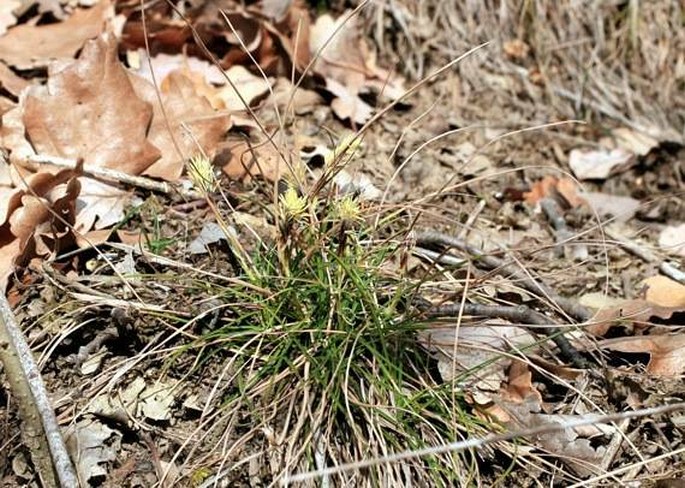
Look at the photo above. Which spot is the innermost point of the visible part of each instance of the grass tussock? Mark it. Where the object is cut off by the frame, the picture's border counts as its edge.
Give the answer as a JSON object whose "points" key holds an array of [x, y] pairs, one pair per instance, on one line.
{"points": [[324, 361]]}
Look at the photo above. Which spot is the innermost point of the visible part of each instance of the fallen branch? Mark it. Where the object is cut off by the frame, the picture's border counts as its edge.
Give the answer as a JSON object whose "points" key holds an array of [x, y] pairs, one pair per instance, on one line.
{"points": [[562, 234], [645, 254], [482, 260], [40, 431]]}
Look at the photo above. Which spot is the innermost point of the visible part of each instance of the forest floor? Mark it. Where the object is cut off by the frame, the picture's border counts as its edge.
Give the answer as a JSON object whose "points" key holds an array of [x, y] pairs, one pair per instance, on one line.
{"points": [[446, 225]]}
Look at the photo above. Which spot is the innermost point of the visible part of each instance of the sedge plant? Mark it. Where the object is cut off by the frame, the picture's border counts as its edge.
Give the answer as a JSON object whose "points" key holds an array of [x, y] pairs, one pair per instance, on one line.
{"points": [[327, 356]]}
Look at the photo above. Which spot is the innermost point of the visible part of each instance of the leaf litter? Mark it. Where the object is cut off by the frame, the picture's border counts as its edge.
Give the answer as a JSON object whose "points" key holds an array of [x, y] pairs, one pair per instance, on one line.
{"points": [[100, 99]]}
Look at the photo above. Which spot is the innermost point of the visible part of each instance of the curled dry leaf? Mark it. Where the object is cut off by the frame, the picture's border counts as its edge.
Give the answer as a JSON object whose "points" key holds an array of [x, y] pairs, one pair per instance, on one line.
{"points": [[664, 292], [35, 217], [348, 67], [666, 352], [28, 46]]}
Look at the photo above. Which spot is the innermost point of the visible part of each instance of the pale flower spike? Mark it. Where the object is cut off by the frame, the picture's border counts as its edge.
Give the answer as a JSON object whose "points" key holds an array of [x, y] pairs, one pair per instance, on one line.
{"points": [[348, 209], [201, 173], [292, 204]]}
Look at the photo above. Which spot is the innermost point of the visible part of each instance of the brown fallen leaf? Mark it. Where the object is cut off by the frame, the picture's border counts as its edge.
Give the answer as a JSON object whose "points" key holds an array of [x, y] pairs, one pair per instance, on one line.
{"points": [[245, 161], [28, 46], [249, 86], [188, 125], [666, 352], [349, 69], [519, 386], [563, 190], [636, 313], [157, 68], [89, 110], [34, 218], [664, 292]]}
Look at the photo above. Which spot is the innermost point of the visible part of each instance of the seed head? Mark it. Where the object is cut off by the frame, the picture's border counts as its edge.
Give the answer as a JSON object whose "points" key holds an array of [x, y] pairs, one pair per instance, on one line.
{"points": [[293, 205], [201, 173]]}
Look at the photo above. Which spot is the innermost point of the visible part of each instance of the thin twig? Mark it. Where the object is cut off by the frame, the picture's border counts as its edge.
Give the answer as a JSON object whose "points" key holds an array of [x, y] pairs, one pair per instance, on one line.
{"points": [[646, 255], [40, 425], [100, 338], [34, 163]]}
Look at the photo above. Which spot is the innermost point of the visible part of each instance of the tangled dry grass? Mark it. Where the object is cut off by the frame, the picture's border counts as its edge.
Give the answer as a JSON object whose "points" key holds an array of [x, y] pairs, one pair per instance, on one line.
{"points": [[569, 59]]}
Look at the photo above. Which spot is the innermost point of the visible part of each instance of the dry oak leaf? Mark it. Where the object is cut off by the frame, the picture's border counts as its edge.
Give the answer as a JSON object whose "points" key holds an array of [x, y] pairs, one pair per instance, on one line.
{"points": [[245, 161], [188, 124], [209, 80], [89, 110], [29, 46], [157, 68], [348, 67], [28, 219], [666, 352], [665, 292], [249, 89]]}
